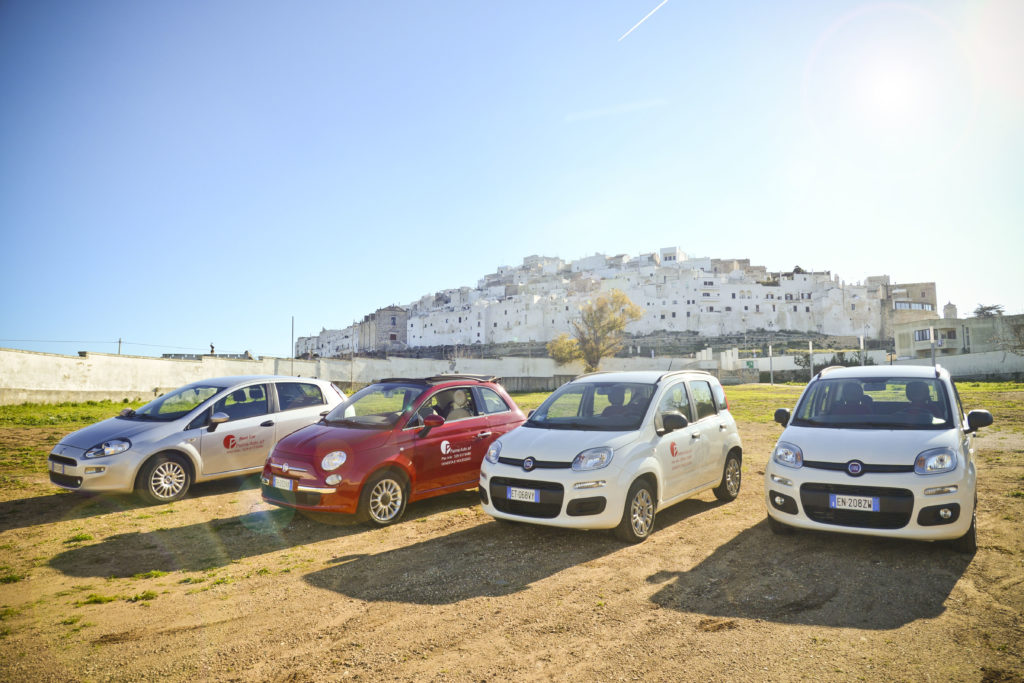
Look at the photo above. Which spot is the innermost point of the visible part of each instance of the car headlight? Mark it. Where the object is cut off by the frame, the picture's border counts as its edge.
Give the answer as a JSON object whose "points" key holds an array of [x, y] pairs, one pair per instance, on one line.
{"points": [[592, 459], [112, 447], [935, 461], [493, 452], [788, 455], [333, 460]]}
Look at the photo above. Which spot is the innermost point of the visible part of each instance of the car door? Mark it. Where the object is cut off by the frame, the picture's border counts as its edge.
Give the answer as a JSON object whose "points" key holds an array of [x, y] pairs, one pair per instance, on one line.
{"points": [[244, 441], [677, 451], [450, 454], [710, 452], [298, 404], [500, 418]]}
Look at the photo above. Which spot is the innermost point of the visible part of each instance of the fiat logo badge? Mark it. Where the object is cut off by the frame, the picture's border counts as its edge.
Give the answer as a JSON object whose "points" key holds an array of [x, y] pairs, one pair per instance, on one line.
{"points": [[529, 464], [855, 468]]}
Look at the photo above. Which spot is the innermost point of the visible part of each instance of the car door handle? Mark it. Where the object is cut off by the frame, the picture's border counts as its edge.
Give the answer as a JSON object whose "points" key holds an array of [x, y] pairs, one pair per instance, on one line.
{"points": [[695, 436], [268, 423], [721, 428], [483, 435]]}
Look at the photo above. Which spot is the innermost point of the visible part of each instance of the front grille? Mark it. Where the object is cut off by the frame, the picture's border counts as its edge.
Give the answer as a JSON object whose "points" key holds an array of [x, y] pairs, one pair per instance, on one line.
{"points": [[866, 468], [303, 498], [538, 464], [550, 504], [63, 460], [895, 506], [66, 480]]}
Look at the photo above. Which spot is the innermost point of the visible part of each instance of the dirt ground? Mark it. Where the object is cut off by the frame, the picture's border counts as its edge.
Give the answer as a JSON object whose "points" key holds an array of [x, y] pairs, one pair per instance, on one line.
{"points": [[221, 586]]}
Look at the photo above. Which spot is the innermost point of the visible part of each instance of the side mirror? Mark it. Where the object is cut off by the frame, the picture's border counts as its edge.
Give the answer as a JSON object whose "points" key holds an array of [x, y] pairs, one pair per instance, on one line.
{"points": [[216, 419], [674, 421], [782, 416], [429, 422], [532, 411], [976, 419]]}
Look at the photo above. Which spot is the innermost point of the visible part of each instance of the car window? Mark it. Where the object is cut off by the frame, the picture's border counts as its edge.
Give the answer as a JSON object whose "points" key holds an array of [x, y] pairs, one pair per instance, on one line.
{"points": [[378, 406], [703, 399], [675, 399], [599, 406], [491, 401], [175, 404], [719, 392], [292, 395], [241, 403], [455, 404], [884, 402]]}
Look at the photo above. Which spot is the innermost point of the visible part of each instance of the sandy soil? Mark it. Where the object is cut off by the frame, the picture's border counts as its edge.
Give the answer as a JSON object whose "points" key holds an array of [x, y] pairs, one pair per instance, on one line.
{"points": [[220, 586]]}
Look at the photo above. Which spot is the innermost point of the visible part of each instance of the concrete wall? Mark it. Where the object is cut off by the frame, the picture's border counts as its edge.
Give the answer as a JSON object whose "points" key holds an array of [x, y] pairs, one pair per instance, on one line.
{"points": [[27, 376]]}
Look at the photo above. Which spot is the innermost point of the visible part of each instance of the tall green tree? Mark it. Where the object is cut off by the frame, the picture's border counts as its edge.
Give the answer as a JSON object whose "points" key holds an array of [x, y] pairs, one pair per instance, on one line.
{"points": [[599, 331], [988, 311]]}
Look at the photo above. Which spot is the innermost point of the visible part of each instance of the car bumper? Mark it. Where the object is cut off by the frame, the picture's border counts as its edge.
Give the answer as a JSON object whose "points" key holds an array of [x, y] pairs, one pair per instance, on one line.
{"points": [[303, 493], [905, 505], [563, 498], [72, 470]]}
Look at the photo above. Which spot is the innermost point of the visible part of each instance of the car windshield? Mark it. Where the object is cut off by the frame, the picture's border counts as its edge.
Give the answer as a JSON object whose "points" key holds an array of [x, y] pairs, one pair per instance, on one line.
{"points": [[378, 406], [594, 406], [875, 403], [175, 404]]}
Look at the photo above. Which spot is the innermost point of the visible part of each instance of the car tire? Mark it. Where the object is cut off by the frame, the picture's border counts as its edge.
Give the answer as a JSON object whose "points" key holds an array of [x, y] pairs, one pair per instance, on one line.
{"points": [[383, 500], [732, 478], [638, 514], [778, 528], [164, 478], [968, 543]]}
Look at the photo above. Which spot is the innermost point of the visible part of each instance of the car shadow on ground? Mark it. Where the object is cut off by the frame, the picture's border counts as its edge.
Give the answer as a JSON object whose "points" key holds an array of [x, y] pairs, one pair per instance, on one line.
{"points": [[489, 560], [197, 547], [65, 505], [817, 578]]}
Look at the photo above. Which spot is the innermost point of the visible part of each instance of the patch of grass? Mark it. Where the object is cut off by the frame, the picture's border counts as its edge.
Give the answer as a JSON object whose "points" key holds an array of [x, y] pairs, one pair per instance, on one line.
{"points": [[7, 613], [72, 620], [193, 579], [1016, 494], [78, 538], [151, 574], [70, 414], [145, 595], [11, 577], [97, 599]]}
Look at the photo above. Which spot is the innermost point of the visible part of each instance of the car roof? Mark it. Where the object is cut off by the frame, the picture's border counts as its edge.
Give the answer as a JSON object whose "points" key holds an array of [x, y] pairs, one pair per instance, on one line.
{"points": [[232, 380], [441, 379], [922, 371], [638, 376]]}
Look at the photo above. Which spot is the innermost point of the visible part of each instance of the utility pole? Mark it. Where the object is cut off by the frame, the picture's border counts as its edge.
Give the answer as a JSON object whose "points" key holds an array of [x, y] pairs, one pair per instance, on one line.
{"points": [[119, 346], [810, 359], [292, 371]]}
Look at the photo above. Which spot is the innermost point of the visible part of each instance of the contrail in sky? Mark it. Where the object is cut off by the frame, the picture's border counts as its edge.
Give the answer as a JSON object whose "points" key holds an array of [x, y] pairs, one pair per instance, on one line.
{"points": [[643, 20]]}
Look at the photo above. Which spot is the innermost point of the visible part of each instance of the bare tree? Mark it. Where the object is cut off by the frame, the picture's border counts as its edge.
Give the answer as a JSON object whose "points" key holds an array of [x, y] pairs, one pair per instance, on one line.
{"points": [[599, 331]]}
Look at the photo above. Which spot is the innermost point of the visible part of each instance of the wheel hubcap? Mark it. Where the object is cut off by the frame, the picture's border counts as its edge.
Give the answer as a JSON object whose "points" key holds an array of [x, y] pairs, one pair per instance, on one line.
{"points": [[168, 480], [385, 500], [732, 477], [641, 513]]}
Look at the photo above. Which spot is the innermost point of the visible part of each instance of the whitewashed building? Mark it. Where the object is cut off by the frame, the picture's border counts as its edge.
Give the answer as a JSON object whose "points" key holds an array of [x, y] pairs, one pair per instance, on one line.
{"points": [[538, 300]]}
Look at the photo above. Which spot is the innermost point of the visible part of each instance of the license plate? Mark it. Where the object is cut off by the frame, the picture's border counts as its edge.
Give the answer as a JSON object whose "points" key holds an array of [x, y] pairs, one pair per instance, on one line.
{"points": [[865, 503], [56, 467], [525, 495], [282, 483]]}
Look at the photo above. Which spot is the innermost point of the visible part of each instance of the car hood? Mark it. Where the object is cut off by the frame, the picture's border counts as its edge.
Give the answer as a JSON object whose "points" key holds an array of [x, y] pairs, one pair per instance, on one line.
{"points": [[877, 446], [559, 445], [317, 440], [112, 428]]}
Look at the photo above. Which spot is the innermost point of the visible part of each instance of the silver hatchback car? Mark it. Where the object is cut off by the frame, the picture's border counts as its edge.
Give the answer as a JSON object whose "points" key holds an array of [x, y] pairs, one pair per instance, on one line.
{"points": [[205, 430]]}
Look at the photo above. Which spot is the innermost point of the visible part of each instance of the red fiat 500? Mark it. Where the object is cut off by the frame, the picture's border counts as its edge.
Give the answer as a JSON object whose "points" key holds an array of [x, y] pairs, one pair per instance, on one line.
{"points": [[396, 441]]}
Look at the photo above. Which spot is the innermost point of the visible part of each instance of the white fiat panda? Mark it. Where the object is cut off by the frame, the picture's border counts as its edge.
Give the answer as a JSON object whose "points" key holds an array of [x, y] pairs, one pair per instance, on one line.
{"points": [[610, 449], [883, 451]]}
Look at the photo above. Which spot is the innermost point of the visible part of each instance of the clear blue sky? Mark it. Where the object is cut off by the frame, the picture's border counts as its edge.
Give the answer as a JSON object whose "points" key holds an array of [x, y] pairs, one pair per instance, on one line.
{"points": [[176, 174]]}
